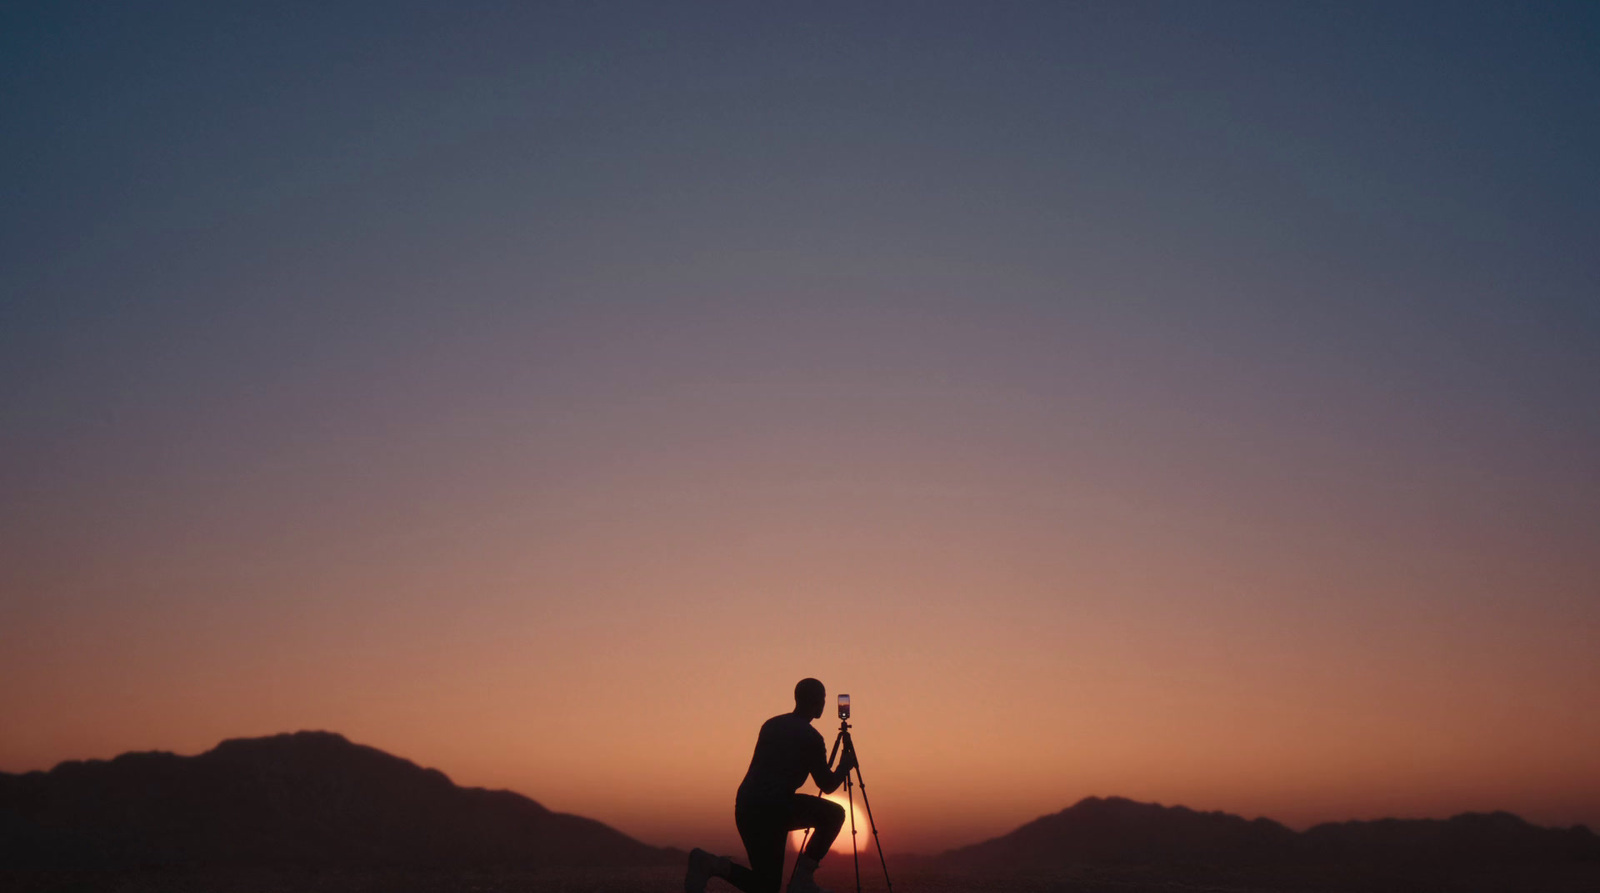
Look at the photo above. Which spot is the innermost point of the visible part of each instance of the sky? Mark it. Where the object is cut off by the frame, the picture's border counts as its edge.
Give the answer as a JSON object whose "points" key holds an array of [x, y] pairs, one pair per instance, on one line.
{"points": [[1187, 402]]}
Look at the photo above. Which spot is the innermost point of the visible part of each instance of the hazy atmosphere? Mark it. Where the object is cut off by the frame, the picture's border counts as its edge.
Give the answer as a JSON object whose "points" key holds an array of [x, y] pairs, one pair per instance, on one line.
{"points": [[1194, 402]]}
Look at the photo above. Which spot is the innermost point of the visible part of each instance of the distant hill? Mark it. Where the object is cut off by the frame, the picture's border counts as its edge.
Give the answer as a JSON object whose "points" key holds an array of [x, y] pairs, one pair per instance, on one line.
{"points": [[1116, 831], [302, 799]]}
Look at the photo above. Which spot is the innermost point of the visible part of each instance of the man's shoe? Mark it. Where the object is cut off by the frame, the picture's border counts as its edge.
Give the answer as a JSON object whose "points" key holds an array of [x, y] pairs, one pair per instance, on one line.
{"points": [[806, 885], [800, 881], [700, 863]]}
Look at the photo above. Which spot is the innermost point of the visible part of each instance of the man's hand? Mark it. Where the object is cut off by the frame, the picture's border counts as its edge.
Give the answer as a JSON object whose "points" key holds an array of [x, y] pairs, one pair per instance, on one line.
{"points": [[847, 762]]}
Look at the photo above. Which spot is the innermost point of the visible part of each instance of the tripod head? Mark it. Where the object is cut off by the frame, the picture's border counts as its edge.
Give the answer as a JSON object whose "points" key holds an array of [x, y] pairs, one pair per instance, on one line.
{"points": [[841, 739]]}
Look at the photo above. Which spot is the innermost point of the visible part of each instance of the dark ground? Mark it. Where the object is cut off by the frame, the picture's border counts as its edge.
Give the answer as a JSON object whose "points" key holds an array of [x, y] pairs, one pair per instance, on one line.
{"points": [[1578, 879]]}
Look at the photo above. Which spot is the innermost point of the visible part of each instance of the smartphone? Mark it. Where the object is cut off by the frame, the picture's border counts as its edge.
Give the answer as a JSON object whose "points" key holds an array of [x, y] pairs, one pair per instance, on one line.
{"points": [[844, 706]]}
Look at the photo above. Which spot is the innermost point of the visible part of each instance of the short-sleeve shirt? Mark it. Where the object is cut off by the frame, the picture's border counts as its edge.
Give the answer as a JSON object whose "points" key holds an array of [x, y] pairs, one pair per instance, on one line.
{"points": [[787, 750]]}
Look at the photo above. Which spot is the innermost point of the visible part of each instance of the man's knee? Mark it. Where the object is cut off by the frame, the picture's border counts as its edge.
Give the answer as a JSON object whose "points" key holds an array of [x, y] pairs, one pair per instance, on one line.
{"points": [[834, 815]]}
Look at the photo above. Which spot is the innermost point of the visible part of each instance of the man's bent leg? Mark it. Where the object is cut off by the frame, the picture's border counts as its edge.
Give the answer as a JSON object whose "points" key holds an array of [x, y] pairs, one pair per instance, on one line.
{"points": [[765, 833], [824, 816]]}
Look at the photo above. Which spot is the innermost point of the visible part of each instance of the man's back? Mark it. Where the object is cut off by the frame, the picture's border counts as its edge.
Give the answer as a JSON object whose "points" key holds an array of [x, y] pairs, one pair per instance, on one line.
{"points": [[787, 750]]}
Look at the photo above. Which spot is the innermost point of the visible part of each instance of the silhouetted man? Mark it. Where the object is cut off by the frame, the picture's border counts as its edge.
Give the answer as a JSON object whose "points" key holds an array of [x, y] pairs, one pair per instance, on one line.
{"points": [[767, 807]]}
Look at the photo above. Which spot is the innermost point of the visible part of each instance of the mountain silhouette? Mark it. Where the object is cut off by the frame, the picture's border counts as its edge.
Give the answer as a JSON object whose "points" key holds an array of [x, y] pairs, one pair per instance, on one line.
{"points": [[301, 799], [1117, 831]]}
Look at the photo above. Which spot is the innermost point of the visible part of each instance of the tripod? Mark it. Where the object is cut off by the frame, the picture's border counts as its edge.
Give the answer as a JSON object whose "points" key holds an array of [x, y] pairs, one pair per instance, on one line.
{"points": [[843, 738]]}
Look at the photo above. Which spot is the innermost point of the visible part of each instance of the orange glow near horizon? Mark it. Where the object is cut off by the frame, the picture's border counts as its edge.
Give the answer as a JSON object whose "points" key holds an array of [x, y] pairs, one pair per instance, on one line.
{"points": [[996, 677], [1009, 650]]}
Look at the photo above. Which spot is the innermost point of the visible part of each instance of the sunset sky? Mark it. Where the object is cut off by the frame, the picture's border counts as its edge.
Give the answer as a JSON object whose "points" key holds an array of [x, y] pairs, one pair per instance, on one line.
{"points": [[1195, 402]]}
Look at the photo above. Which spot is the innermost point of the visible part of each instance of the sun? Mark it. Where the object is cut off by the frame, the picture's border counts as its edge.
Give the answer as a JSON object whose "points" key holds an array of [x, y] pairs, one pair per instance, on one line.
{"points": [[841, 844]]}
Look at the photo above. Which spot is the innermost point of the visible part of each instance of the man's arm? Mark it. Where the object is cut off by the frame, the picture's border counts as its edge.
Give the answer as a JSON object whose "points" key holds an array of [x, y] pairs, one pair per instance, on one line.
{"points": [[830, 779]]}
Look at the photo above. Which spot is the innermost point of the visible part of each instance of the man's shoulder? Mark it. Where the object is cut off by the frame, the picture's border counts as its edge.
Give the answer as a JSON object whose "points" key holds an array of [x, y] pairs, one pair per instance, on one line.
{"points": [[791, 724]]}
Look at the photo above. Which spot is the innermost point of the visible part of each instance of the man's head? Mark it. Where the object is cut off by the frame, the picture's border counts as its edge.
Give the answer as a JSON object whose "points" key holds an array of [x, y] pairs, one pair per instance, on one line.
{"points": [[809, 697]]}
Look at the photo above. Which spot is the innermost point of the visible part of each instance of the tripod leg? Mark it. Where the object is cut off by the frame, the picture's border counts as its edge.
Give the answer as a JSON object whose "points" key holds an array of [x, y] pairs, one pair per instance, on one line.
{"points": [[804, 839], [855, 854], [876, 842]]}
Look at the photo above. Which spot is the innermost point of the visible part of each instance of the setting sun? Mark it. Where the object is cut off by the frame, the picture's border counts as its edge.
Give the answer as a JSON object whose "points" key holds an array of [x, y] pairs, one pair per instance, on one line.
{"points": [[841, 844]]}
